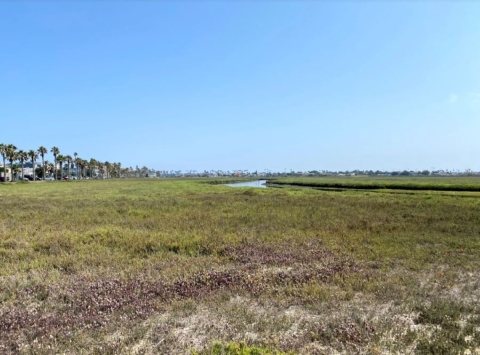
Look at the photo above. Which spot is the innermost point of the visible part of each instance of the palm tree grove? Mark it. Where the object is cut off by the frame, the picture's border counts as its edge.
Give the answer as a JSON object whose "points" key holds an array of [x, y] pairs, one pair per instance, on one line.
{"points": [[22, 165]]}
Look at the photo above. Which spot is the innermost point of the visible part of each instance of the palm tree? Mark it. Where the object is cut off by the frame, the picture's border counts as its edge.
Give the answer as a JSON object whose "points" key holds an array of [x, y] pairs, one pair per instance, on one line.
{"points": [[22, 156], [60, 159], [78, 165], [55, 151], [49, 167], [68, 159], [119, 169], [11, 156], [16, 170], [75, 154], [84, 164], [3, 153], [108, 166], [91, 164], [34, 156], [42, 151], [101, 168]]}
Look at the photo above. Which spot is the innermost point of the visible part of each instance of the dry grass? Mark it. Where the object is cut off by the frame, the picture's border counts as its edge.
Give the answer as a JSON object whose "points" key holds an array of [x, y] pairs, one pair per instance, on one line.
{"points": [[175, 266]]}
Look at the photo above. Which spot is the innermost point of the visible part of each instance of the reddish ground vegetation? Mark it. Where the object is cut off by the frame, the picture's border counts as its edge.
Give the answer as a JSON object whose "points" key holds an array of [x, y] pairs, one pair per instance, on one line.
{"points": [[83, 302]]}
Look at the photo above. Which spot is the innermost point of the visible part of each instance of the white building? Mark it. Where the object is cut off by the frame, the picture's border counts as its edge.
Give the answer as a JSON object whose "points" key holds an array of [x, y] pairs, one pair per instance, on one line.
{"points": [[28, 169]]}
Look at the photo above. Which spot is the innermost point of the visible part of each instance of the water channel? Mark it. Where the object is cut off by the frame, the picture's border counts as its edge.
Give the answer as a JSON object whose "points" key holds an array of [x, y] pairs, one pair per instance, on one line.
{"points": [[257, 183]]}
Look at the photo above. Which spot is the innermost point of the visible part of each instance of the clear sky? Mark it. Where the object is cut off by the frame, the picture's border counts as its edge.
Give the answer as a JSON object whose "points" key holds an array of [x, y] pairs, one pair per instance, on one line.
{"points": [[245, 84]]}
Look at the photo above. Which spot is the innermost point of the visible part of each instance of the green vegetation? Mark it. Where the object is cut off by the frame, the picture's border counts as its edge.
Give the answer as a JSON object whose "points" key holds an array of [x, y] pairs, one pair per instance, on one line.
{"points": [[394, 183], [448, 335], [130, 266], [238, 349]]}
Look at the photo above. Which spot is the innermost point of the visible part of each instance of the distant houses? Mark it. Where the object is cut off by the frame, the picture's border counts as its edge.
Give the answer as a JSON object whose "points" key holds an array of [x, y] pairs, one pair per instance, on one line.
{"points": [[5, 173], [28, 170], [151, 174]]}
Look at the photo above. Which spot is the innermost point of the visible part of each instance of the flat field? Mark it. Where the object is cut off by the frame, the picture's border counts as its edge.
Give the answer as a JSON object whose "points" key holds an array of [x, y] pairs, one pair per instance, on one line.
{"points": [[182, 266], [414, 183]]}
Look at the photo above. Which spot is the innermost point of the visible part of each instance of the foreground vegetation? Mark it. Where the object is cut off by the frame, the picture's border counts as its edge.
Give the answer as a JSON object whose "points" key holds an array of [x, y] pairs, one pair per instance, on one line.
{"points": [[180, 267]]}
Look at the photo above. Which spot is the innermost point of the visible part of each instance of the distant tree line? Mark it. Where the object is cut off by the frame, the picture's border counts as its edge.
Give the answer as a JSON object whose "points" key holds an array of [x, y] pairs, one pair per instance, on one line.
{"points": [[63, 166]]}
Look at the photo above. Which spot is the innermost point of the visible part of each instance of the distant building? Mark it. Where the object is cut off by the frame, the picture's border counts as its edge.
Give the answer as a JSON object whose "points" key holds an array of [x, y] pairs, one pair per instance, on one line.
{"points": [[28, 168], [151, 174], [5, 175]]}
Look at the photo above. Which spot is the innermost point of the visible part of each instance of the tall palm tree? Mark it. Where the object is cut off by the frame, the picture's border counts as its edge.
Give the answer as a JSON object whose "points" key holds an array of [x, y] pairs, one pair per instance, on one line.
{"points": [[3, 153], [34, 156], [78, 165], [108, 166], [84, 164], [119, 169], [68, 159], [61, 159], [22, 156], [11, 156], [55, 151], [42, 151], [101, 168], [91, 164], [75, 155]]}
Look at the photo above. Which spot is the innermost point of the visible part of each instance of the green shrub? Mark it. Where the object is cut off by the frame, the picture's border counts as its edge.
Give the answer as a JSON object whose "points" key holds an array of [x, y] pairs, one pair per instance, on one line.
{"points": [[239, 349], [448, 337]]}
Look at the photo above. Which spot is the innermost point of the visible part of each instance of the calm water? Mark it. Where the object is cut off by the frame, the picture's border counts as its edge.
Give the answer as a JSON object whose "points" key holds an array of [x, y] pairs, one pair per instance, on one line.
{"points": [[258, 183]]}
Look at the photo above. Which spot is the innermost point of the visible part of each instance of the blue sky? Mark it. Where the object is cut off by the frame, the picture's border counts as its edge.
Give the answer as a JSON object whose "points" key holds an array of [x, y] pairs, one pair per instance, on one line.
{"points": [[245, 84]]}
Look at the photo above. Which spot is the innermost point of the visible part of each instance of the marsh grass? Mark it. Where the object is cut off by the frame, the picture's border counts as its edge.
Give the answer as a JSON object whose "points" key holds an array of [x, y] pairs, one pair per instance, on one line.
{"points": [[422, 183], [173, 266]]}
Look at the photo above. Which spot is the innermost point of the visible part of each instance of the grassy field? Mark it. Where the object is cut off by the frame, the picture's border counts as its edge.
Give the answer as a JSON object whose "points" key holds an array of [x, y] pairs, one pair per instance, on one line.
{"points": [[438, 183], [185, 267]]}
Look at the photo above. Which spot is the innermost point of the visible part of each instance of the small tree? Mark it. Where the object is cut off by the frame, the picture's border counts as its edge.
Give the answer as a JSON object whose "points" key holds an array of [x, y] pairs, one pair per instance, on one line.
{"points": [[39, 173]]}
